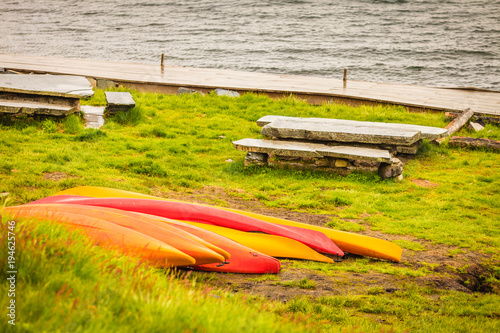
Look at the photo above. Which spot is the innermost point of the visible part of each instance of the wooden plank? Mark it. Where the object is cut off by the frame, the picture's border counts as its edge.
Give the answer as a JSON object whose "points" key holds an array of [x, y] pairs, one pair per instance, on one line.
{"points": [[426, 132], [484, 102], [460, 141], [305, 149], [320, 131], [47, 85]]}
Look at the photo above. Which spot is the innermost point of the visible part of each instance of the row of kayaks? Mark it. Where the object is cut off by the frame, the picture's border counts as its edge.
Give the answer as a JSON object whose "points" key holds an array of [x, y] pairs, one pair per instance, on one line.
{"points": [[173, 233]]}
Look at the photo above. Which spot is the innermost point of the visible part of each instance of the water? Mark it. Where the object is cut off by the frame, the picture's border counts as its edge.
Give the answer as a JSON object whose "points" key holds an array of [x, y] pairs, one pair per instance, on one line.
{"points": [[454, 43]]}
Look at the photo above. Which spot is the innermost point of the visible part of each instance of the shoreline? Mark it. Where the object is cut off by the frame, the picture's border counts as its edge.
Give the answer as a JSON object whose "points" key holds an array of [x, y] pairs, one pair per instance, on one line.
{"points": [[315, 90]]}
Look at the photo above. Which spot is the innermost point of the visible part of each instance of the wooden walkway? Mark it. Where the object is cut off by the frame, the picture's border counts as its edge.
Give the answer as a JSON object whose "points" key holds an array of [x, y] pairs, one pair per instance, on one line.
{"points": [[168, 79]]}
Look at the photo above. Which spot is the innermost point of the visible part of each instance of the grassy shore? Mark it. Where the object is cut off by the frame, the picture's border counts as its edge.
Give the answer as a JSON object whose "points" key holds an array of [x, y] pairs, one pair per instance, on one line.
{"points": [[444, 214]]}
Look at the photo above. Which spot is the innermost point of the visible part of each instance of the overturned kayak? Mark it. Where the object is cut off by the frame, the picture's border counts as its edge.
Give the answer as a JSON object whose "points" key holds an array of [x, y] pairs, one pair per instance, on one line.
{"points": [[202, 251], [204, 214], [347, 241], [274, 246], [243, 259], [108, 234]]}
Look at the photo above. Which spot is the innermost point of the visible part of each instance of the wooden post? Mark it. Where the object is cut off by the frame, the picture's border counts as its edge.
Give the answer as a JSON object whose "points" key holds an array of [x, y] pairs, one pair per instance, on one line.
{"points": [[345, 77], [457, 123], [162, 62]]}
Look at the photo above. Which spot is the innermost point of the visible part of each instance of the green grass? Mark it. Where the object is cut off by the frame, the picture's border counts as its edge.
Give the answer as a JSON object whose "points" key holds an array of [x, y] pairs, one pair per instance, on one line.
{"points": [[182, 145], [65, 284]]}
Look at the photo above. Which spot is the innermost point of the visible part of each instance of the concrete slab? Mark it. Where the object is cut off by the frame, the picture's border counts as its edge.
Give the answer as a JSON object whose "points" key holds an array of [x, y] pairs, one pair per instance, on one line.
{"points": [[93, 116], [119, 101], [426, 132], [30, 108], [51, 85], [324, 131], [304, 149]]}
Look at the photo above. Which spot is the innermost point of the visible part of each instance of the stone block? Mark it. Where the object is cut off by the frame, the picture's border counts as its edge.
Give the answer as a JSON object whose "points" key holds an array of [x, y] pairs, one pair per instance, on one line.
{"points": [[339, 163], [426, 132], [118, 101], [476, 126], [390, 170], [255, 159], [183, 90], [323, 131], [224, 92], [49, 85], [18, 107]]}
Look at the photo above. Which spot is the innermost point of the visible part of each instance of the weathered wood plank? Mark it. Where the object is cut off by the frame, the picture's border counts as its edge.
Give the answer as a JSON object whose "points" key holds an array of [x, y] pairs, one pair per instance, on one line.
{"points": [[317, 131], [460, 141], [49, 85], [304, 149], [426, 132]]}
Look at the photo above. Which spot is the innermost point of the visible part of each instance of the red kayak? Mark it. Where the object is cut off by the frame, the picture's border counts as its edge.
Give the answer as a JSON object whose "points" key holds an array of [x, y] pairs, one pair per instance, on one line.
{"points": [[203, 214], [243, 259]]}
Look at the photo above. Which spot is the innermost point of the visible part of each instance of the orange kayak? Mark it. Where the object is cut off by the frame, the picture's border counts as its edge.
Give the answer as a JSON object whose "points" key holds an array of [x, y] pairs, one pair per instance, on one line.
{"points": [[347, 241], [185, 242], [108, 234], [243, 259]]}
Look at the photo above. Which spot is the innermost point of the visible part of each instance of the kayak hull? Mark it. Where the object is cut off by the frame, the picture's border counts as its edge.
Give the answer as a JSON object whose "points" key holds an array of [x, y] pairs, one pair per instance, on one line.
{"points": [[108, 234], [347, 241]]}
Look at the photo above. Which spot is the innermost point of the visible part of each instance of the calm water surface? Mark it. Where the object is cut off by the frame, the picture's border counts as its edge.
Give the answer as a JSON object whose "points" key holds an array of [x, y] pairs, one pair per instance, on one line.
{"points": [[425, 42]]}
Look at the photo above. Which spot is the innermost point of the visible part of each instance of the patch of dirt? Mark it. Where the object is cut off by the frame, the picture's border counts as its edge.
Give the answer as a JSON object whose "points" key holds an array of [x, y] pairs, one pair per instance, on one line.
{"points": [[56, 176], [449, 267], [424, 183]]}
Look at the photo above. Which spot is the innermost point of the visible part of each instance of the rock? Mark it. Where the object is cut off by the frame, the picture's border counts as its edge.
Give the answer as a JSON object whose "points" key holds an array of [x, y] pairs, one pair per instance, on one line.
{"points": [[105, 84], [229, 160], [224, 92], [476, 126], [390, 170], [183, 90], [256, 159], [341, 163]]}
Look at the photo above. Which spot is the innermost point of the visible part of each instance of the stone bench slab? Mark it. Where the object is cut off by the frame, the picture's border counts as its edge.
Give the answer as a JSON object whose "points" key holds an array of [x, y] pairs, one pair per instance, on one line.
{"points": [[304, 149], [323, 131], [119, 101], [49, 85], [30, 108], [426, 132]]}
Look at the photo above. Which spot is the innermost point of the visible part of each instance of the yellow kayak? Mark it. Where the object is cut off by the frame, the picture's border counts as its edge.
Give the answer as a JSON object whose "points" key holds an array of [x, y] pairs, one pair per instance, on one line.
{"points": [[347, 241], [274, 246]]}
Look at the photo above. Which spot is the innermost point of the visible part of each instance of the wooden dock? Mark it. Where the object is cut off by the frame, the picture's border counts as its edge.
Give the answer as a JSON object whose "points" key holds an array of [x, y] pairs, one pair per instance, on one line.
{"points": [[167, 79]]}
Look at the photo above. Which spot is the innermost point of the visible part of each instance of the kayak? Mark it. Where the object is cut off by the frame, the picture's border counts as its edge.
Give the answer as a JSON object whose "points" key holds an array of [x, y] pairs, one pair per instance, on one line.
{"points": [[274, 246], [105, 233], [243, 259], [347, 241], [204, 214], [201, 250]]}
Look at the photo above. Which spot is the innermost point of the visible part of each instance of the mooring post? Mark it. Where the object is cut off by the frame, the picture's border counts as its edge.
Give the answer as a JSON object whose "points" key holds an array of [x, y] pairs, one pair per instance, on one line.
{"points": [[345, 77]]}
